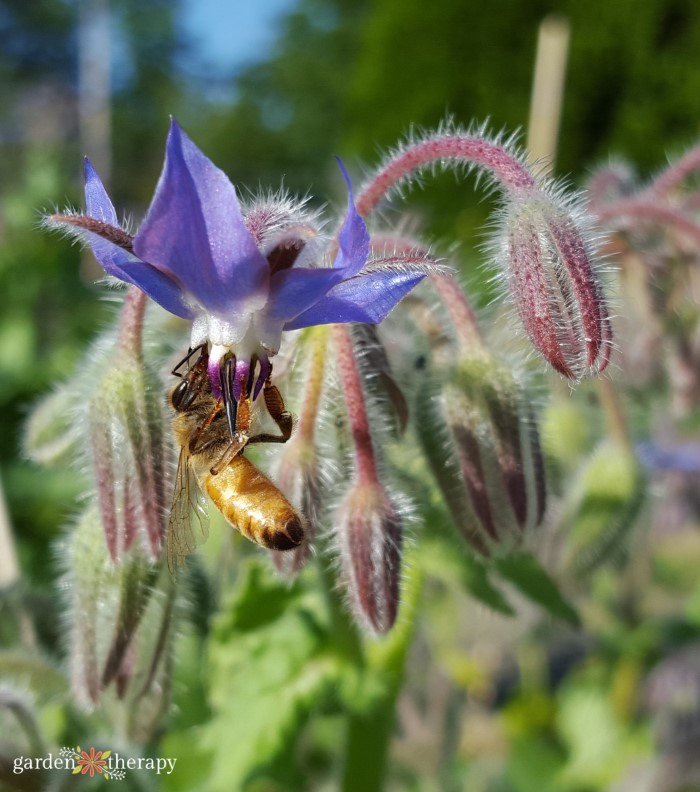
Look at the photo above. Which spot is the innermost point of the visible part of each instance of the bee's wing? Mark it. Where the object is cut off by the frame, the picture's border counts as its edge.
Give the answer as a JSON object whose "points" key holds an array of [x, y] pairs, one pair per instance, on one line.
{"points": [[188, 500]]}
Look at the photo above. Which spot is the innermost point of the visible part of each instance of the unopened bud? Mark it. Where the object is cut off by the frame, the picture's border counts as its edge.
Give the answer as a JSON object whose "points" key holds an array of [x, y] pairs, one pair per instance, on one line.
{"points": [[493, 481], [126, 444], [50, 435], [555, 286], [120, 623], [370, 534]]}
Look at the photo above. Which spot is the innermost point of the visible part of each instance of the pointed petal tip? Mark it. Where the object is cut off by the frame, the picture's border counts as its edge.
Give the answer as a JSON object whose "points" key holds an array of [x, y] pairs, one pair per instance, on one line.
{"points": [[89, 171], [346, 175], [174, 126]]}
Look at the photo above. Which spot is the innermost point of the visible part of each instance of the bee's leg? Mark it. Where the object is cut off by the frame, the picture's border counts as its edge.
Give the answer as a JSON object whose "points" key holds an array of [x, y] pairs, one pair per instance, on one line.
{"points": [[195, 446], [238, 442], [279, 414], [240, 433]]}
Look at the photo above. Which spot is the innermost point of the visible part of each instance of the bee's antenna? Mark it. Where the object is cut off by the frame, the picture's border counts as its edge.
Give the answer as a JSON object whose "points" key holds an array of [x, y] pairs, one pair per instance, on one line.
{"points": [[186, 359]]}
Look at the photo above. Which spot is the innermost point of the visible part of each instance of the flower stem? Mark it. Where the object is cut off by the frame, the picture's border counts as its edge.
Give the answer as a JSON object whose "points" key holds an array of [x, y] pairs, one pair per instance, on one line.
{"points": [[676, 174], [461, 148], [460, 312], [314, 384], [370, 731], [355, 404], [623, 212], [131, 322]]}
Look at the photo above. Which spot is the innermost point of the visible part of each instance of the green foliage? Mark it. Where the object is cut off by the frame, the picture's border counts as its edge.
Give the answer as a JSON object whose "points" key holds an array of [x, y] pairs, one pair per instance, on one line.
{"points": [[611, 498], [274, 660], [528, 576]]}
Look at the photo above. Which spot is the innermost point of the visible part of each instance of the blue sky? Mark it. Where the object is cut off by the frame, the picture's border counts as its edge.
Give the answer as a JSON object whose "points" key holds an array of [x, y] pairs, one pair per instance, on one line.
{"points": [[232, 33]]}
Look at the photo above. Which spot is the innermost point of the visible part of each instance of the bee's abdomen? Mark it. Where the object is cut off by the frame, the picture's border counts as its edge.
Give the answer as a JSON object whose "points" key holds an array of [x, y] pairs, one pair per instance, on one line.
{"points": [[254, 505]]}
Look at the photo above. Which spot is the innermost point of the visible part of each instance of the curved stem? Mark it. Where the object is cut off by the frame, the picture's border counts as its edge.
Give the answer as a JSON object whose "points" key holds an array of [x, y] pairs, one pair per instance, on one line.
{"points": [[676, 174], [506, 168], [460, 312], [624, 212], [355, 404]]}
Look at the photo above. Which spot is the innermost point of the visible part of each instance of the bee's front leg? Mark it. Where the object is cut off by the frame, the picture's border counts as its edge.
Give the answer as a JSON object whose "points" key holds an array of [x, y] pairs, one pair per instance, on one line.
{"points": [[238, 442], [279, 414]]}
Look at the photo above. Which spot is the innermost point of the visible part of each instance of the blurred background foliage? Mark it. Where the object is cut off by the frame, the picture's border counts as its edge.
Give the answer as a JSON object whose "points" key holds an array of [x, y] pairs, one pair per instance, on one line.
{"points": [[489, 703]]}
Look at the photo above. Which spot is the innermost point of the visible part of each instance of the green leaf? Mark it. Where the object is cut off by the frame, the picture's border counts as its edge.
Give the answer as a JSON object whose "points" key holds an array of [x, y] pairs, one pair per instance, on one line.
{"points": [[526, 574], [270, 667], [34, 672], [442, 559]]}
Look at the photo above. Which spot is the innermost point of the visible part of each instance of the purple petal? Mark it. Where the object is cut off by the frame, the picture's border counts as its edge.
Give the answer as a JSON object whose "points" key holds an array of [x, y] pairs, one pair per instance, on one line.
{"points": [[118, 262], [97, 203], [353, 238], [293, 291], [194, 230], [366, 298]]}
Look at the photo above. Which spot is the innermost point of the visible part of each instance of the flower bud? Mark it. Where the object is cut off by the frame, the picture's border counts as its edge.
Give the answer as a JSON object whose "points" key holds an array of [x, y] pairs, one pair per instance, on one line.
{"points": [[555, 286], [127, 450], [50, 436], [370, 534], [493, 481], [120, 624]]}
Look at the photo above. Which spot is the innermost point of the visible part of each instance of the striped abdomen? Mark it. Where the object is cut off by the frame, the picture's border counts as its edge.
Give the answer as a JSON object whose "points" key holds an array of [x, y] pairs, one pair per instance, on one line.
{"points": [[254, 505]]}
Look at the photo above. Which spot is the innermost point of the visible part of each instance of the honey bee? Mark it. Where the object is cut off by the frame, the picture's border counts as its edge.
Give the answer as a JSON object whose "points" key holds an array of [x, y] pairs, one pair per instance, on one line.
{"points": [[213, 434]]}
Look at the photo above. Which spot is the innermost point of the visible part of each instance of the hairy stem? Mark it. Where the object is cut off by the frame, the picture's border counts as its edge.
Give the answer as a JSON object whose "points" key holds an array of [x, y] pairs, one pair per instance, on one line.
{"points": [[131, 322], [355, 404], [676, 174], [461, 148], [460, 312], [622, 213], [314, 384]]}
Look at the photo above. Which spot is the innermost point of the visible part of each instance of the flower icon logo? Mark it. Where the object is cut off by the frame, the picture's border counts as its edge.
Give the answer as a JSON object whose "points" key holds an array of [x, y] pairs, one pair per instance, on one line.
{"points": [[91, 763]]}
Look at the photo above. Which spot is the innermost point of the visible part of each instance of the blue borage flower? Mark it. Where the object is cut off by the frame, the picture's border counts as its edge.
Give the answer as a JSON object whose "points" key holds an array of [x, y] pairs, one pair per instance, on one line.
{"points": [[239, 279]]}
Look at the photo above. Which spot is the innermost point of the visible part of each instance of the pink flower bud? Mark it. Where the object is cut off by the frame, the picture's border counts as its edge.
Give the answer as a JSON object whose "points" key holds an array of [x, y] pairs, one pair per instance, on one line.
{"points": [[370, 534], [555, 285]]}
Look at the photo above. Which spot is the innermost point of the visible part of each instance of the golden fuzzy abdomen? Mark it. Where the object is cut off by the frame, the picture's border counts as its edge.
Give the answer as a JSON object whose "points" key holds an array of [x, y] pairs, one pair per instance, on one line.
{"points": [[254, 505]]}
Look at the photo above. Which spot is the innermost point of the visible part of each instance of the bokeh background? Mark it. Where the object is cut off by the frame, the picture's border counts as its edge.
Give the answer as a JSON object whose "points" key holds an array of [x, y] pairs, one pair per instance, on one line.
{"points": [[271, 91]]}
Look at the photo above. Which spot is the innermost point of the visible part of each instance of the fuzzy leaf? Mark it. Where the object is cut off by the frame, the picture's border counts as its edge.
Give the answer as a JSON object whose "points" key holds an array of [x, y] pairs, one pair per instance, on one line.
{"points": [[439, 557], [526, 574], [270, 667], [33, 672]]}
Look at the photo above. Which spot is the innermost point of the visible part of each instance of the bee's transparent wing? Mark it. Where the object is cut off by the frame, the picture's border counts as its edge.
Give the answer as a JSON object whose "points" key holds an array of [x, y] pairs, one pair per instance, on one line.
{"points": [[188, 504]]}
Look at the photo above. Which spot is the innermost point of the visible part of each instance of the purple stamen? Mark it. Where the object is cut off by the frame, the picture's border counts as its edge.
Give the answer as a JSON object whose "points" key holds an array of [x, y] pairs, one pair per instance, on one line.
{"points": [[265, 372], [240, 379], [215, 371]]}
